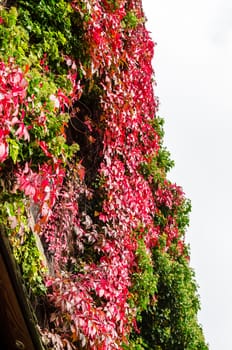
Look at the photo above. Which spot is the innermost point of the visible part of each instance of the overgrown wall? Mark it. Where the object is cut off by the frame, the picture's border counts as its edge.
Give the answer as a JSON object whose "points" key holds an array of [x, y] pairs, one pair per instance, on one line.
{"points": [[94, 223]]}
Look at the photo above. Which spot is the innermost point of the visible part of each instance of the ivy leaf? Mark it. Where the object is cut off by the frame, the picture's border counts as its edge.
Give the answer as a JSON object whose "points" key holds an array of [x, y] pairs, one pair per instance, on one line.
{"points": [[14, 150]]}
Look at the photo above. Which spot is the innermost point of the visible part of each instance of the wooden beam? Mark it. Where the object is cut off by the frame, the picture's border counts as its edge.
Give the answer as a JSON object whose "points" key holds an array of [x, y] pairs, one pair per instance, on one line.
{"points": [[17, 321]]}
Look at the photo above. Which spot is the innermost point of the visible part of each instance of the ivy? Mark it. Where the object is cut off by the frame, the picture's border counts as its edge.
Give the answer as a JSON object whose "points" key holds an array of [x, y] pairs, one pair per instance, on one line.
{"points": [[130, 21], [84, 170], [144, 283], [14, 217], [171, 323]]}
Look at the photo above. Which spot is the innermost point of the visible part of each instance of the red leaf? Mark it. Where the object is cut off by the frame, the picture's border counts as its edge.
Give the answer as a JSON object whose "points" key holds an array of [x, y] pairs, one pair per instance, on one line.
{"points": [[81, 171], [44, 147]]}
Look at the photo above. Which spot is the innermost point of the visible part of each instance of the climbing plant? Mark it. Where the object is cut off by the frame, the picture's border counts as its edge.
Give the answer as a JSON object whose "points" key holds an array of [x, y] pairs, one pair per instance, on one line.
{"points": [[84, 173]]}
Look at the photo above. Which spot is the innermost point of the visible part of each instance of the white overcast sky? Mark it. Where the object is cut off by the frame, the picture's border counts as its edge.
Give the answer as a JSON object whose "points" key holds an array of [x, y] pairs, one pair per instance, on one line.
{"points": [[193, 69]]}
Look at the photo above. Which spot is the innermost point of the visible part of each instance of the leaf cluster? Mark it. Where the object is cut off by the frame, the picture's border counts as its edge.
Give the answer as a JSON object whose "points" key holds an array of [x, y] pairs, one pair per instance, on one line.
{"points": [[171, 323]]}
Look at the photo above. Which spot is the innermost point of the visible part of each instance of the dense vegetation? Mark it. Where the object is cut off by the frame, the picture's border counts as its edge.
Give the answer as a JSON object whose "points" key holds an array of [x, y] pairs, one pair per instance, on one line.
{"points": [[94, 224]]}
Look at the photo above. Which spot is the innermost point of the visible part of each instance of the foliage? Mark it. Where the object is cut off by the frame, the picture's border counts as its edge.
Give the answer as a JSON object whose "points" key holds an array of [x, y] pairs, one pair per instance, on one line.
{"points": [[33, 150], [171, 322], [14, 217], [144, 282], [83, 167], [130, 21]]}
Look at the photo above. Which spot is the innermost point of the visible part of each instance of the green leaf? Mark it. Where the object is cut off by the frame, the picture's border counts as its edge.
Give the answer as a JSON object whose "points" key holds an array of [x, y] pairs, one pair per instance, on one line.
{"points": [[14, 150]]}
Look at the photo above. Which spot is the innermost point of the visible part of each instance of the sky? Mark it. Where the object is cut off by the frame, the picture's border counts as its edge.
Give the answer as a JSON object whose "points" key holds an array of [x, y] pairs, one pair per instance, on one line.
{"points": [[193, 72]]}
